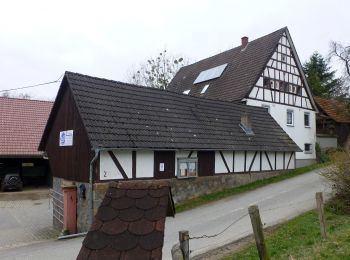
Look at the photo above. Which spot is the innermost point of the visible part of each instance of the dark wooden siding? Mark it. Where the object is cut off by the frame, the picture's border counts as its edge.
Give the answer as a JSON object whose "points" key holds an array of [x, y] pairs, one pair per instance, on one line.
{"points": [[343, 132], [206, 163], [168, 158], [69, 162]]}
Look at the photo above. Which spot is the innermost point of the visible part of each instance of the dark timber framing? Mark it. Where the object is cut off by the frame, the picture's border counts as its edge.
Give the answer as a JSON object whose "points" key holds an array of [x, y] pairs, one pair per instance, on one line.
{"points": [[224, 160], [134, 164], [267, 157], [253, 160], [117, 163]]}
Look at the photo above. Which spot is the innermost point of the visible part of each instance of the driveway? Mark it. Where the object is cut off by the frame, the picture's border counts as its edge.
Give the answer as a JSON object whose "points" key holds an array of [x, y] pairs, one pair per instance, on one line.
{"points": [[25, 218], [277, 202]]}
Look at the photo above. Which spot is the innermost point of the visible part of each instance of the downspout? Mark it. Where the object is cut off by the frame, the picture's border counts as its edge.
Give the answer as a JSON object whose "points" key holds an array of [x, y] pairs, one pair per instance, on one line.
{"points": [[91, 197]]}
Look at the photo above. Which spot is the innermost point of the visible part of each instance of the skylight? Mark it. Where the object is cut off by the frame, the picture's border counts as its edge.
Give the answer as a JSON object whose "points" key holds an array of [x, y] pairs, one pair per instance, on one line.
{"points": [[210, 73], [186, 92], [205, 89]]}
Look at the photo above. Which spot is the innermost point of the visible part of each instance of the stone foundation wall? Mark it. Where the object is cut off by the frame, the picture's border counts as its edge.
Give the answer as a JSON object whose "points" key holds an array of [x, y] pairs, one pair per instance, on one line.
{"points": [[182, 189]]}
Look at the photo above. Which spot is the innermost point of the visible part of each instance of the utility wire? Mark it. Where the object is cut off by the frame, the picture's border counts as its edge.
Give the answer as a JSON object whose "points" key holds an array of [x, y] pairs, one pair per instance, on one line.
{"points": [[32, 86]]}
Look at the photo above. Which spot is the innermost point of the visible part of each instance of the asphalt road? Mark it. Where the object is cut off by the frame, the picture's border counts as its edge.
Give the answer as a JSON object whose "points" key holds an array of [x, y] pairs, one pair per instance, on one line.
{"points": [[277, 202]]}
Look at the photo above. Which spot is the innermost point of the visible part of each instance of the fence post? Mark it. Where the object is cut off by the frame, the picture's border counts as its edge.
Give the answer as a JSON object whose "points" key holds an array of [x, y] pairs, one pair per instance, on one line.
{"points": [[258, 232], [184, 244], [320, 209]]}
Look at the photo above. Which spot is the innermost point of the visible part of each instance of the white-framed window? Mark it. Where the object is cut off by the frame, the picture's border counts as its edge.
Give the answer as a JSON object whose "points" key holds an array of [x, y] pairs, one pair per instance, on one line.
{"points": [[266, 106], [307, 148], [290, 117], [187, 167], [307, 119]]}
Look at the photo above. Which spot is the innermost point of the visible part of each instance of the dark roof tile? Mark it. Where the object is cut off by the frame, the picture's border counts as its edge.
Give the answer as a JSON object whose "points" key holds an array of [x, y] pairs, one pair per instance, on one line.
{"points": [[135, 232], [141, 227], [96, 240], [152, 240], [114, 227]]}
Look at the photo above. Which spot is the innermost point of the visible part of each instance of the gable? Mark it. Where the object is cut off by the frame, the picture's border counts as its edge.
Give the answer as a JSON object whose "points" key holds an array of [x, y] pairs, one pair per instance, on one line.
{"points": [[282, 80]]}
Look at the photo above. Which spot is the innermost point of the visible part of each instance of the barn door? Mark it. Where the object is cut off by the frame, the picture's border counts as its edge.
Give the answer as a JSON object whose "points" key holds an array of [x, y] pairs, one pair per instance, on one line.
{"points": [[206, 163], [164, 164]]}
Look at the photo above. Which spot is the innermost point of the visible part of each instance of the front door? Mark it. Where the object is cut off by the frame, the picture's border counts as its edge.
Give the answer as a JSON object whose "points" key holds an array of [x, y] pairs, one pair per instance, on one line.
{"points": [[164, 164]]}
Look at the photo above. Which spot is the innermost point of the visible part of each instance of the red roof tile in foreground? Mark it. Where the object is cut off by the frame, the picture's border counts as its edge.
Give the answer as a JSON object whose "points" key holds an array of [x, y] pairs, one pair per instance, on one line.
{"points": [[22, 122], [130, 222], [335, 109]]}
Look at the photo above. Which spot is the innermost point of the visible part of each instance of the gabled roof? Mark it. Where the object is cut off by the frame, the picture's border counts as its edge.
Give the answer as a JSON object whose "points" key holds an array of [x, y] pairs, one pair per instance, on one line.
{"points": [[130, 222], [244, 66], [335, 109], [21, 126], [119, 115]]}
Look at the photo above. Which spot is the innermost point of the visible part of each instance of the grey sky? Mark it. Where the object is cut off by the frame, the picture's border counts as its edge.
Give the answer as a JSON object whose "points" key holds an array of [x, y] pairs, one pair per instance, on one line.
{"points": [[42, 39]]}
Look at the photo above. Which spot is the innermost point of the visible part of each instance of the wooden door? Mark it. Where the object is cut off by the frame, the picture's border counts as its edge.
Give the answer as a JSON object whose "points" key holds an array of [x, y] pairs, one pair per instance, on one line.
{"points": [[206, 163], [164, 164]]}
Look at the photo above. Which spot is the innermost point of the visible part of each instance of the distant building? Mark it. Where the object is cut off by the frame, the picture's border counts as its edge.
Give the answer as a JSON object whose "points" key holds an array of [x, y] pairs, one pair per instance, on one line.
{"points": [[333, 123], [22, 122], [265, 72]]}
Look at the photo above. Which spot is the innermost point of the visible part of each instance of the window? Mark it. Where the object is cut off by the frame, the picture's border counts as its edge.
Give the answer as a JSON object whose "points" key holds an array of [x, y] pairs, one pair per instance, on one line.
{"points": [[307, 119], [307, 148], [290, 117], [205, 89], [186, 92], [187, 167], [209, 74], [266, 106], [268, 83]]}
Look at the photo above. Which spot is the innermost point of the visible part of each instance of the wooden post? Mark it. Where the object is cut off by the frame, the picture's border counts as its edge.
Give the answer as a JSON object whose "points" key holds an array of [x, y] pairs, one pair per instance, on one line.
{"points": [[184, 244], [320, 209], [258, 232]]}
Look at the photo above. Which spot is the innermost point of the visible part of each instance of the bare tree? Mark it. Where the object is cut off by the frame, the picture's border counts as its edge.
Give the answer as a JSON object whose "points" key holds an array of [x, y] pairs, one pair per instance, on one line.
{"points": [[157, 72], [341, 54], [21, 95]]}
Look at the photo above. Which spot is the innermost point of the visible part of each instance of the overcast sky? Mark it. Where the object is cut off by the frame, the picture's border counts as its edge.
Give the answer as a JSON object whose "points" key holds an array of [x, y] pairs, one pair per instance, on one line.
{"points": [[41, 39]]}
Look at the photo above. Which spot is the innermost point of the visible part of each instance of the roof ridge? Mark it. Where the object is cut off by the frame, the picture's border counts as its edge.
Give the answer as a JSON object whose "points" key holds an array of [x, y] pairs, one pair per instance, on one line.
{"points": [[229, 50], [238, 103], [28, 99]]}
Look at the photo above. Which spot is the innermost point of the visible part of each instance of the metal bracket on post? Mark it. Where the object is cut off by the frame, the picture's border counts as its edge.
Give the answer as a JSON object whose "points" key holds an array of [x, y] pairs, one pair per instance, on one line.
{"points": [[184, 244]]}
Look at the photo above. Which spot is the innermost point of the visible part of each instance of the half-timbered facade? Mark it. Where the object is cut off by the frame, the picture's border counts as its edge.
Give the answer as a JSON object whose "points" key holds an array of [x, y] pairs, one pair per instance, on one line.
{"points": [[265, 73]]}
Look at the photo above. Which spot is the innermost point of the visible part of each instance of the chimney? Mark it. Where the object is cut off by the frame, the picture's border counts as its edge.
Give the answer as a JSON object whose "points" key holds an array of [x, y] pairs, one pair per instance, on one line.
{"points": [[245, 41]]}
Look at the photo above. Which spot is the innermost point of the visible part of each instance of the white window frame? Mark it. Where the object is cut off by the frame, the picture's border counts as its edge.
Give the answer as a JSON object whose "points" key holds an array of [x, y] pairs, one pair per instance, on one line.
{"points": [[308, 151], [187, 161], [309, 115], [292, 112]]}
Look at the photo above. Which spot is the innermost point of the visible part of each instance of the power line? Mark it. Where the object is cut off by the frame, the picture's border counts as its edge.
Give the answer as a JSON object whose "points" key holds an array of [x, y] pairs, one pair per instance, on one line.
{"points": [[32, 86]]}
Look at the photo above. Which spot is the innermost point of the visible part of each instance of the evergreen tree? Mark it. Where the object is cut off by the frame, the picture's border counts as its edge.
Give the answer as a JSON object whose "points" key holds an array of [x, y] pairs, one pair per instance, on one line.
{"points": [[321, 79]]}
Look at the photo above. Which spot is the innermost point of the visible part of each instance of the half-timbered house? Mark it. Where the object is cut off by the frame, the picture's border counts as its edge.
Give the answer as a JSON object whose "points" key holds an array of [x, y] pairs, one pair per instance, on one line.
{"points": [[101, 130], [265, 72]]}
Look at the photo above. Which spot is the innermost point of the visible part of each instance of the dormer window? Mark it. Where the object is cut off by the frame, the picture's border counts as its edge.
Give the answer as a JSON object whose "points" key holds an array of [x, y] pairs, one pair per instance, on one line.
{"points": [[205, 89], [246, 124]]}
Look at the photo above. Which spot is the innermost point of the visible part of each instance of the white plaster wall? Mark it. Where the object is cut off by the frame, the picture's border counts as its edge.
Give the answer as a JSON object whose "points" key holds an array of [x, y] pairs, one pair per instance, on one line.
{"points": [[183, 154], [299, 133], [239, 161], [109, 171], [144, 164], [219, 163]]}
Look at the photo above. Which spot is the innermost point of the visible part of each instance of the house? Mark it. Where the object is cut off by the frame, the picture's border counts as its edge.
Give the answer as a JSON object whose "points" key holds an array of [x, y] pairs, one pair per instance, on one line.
{"points": [[22, 125], [265, 72], [101, 130], [333, 123]]}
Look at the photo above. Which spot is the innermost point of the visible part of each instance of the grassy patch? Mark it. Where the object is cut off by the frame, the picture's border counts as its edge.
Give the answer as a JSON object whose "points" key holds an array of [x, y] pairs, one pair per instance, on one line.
{"points": [[192, 203], [300, 239]]}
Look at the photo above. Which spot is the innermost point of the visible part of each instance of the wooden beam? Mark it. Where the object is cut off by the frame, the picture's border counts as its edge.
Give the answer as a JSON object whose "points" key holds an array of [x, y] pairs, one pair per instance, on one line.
{"points": [[133, 164], [190, 154], [224, 160], [245, 161], [251, 164], [267, 157], [233, 161], [260, 160], [275, 160], [284, 160], [291, 154], [119, 166]]}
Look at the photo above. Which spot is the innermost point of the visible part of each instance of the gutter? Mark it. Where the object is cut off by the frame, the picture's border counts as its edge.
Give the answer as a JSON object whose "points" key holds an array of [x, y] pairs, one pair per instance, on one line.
{"points": [[91, 197]]}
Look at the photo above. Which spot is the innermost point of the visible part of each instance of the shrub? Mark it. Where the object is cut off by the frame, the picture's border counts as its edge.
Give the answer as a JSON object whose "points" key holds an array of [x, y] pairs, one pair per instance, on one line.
{"points": [[338, 174], [321, 155]]}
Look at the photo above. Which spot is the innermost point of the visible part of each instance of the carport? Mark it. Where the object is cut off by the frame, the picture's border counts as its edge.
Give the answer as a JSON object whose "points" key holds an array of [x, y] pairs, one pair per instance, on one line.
{"points": [[22, 124]]}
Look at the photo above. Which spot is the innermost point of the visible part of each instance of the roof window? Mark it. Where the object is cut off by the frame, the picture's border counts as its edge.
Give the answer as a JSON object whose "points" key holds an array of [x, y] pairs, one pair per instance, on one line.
{"points": [[209, 74], [186, 92], [205, 89]]}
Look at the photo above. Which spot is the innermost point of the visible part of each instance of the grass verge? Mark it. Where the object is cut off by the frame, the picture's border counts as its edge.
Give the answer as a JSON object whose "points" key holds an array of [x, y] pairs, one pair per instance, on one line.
{"points": [[195, 202], [300, 238]]}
